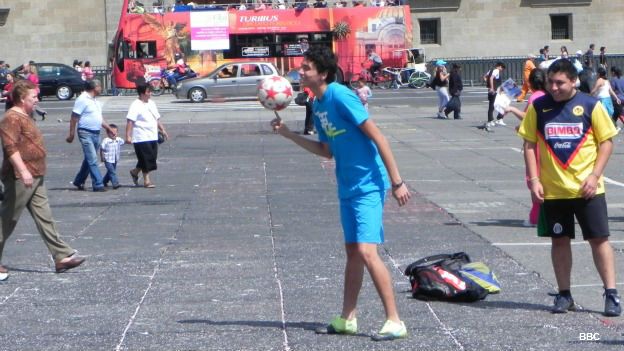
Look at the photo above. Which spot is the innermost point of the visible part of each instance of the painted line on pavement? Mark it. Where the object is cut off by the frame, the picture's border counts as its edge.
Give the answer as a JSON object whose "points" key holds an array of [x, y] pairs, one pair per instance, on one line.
{"points": [[548, 243], [606, 179], [613, 182], [590, 285], [10, 296]]}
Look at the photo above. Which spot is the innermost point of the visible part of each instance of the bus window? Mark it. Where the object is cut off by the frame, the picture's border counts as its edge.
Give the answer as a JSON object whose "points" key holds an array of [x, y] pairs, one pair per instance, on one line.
{"points": [[146, 49], [121, 52]]}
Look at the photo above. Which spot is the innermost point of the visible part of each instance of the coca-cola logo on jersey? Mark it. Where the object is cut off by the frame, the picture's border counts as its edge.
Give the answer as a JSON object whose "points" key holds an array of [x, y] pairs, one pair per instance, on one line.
{"points": [[562, 145]]}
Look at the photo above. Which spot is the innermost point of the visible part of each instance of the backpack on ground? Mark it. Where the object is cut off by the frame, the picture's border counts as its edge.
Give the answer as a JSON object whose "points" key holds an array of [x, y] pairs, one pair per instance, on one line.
{"points": [[451, 277]]}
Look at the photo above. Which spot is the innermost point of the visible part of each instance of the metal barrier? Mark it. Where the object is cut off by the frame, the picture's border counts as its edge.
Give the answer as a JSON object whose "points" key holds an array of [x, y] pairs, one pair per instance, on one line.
{"points": [[473, 69], [103, 74]]}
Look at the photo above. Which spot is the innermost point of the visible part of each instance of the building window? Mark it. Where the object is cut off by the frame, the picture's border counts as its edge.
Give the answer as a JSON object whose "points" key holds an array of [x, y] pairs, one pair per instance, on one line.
{"points": [[429, 31], [561, 26]]}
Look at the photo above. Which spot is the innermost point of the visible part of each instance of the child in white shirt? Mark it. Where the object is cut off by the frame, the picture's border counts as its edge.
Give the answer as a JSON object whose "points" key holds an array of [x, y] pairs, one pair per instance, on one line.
{"points": [[110, 151], [363, 92]]}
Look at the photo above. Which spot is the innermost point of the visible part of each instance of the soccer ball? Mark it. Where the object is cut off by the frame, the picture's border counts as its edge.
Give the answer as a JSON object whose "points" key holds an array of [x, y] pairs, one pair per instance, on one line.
{"points": [[275, 93]]}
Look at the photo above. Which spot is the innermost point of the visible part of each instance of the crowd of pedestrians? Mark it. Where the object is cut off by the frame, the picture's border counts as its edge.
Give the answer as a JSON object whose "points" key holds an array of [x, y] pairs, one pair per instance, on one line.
{"points": [[564, 171], [86, 72], [570, 99], [24, 164]]}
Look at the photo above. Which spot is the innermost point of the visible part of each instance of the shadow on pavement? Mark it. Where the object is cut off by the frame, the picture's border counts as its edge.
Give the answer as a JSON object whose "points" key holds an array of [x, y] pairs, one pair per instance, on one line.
{"points": [[501, 223], [311, 326]]}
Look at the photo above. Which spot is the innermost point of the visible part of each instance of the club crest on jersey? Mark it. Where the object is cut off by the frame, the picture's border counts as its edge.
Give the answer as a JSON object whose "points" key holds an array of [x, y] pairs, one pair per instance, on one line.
{"points": [[563, 131], [578, 110]]}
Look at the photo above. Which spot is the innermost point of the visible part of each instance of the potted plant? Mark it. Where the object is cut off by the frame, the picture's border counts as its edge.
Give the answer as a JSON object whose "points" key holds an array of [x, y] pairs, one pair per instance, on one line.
{"points": [[341, 30]]}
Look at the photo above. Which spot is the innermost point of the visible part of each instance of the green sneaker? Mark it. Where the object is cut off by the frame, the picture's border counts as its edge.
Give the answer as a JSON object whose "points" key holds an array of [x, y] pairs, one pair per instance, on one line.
{"points": [[339, 326], [391, 331]]}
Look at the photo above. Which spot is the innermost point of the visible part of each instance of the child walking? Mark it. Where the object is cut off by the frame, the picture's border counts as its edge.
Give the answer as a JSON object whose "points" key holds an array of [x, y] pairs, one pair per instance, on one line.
{"points": [[363, 92], [110, 151]]}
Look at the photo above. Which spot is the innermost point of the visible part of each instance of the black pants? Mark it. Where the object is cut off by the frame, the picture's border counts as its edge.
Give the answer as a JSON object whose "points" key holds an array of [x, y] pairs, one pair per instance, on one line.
{"points": [[309, 123], [617, 111], [491, 98], [454, 105]]}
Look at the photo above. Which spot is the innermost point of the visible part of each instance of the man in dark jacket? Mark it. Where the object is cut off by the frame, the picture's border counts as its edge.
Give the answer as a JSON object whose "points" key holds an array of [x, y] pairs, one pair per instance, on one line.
{"points": [[455, 88]]}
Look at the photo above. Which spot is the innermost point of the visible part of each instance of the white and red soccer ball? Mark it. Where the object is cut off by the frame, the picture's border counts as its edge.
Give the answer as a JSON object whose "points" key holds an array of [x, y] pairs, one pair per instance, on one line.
{"points": [[275, 93]]}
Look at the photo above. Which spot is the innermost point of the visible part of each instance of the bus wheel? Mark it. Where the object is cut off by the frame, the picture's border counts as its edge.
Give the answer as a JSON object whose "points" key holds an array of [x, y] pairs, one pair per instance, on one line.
{"points": [[64, 92], [197, 95]]}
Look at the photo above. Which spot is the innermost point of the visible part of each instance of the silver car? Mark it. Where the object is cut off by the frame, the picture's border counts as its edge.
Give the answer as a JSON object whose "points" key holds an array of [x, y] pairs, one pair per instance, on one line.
{"points": [[234, 80]]}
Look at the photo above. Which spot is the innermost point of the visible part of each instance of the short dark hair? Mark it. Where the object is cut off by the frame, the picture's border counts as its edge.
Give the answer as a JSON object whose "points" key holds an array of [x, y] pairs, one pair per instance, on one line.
{"points": [[142, 88], [564, 66], [537, 79], [324, 60], [591, 46], [602, 73], [616, 71], [92, 84], [113, 125], [500, 64]]}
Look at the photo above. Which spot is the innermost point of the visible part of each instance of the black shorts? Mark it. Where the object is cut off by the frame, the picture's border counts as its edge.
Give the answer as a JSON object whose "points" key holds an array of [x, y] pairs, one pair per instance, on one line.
{"points": [[146, 153], [557, 217]]}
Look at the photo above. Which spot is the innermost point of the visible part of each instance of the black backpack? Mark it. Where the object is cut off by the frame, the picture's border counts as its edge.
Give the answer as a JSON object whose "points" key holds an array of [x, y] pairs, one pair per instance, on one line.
{"points": [[437, 278]]}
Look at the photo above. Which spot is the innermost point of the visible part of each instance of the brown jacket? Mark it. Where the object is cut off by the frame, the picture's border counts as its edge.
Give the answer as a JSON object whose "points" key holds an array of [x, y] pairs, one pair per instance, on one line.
{"points": [[20, 134]]}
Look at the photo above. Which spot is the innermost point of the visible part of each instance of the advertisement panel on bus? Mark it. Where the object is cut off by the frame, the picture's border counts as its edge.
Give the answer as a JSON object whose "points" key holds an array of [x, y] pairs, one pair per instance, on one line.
{"points": [[147, 43]]}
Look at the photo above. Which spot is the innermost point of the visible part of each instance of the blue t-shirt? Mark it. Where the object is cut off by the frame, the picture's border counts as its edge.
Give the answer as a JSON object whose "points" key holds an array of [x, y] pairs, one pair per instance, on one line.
{"points": [[90, 112], [618, 87], [359, 168]]}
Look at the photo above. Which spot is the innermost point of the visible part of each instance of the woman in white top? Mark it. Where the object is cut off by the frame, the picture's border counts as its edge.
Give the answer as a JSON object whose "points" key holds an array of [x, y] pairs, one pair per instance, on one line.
{"points": [[143, 125], [603, 91]]}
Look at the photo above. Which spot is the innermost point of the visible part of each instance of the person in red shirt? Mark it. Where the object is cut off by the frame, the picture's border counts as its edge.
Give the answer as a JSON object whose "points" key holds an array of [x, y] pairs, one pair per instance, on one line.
{"points": [[6, 93], [30, 72]]}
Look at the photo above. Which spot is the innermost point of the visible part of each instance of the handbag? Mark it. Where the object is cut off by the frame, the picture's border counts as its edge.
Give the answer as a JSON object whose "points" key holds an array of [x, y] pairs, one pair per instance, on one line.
{"points": [[301, 99], [161, 137]]}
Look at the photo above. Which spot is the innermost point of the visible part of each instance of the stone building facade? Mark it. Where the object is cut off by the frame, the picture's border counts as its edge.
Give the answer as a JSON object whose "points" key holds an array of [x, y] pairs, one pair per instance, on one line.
{"points": [[61, 31], [57, 30], [486, 28]]}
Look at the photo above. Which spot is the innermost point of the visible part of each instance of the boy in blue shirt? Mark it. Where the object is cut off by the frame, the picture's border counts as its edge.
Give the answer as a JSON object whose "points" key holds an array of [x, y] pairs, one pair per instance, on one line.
{"points": [[364, 161]]}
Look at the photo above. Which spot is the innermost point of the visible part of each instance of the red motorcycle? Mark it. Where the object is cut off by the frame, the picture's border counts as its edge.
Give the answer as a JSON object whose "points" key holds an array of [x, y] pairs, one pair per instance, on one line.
{"points": [[380, 78]]}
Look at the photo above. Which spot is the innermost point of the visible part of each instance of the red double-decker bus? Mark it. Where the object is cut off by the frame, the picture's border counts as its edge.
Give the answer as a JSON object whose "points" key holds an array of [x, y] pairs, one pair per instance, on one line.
{"points": [[150, 39]]}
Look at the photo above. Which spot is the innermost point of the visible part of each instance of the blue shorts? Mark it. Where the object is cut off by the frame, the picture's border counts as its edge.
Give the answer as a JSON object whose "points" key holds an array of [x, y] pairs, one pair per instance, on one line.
{"points": [[362, 218]]}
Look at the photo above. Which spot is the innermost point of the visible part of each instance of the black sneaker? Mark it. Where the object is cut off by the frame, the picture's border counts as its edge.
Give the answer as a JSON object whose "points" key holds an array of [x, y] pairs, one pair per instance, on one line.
{"points": [[562, 304], [612, 305]]}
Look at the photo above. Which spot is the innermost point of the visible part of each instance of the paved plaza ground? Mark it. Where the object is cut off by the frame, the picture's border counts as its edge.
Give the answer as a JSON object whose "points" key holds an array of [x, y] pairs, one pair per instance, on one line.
{"points": [[240, 247]]}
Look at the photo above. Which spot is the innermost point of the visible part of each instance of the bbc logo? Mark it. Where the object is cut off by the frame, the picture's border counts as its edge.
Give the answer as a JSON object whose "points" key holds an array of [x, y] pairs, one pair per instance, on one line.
{"points": [[589, 336]]}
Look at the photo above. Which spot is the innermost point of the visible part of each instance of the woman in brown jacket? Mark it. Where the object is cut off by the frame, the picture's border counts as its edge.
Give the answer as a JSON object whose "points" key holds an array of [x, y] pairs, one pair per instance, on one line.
{"points": [[23, 170]]}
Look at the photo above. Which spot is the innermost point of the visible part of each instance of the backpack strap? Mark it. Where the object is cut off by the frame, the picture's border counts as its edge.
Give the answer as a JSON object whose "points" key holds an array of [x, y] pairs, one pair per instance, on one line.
{"points": [[435, 260]]}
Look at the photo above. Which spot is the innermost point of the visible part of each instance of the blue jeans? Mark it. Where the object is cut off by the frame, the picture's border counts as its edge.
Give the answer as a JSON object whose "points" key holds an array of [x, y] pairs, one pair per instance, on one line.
{"points": [[111, 174], [90, 142]]}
